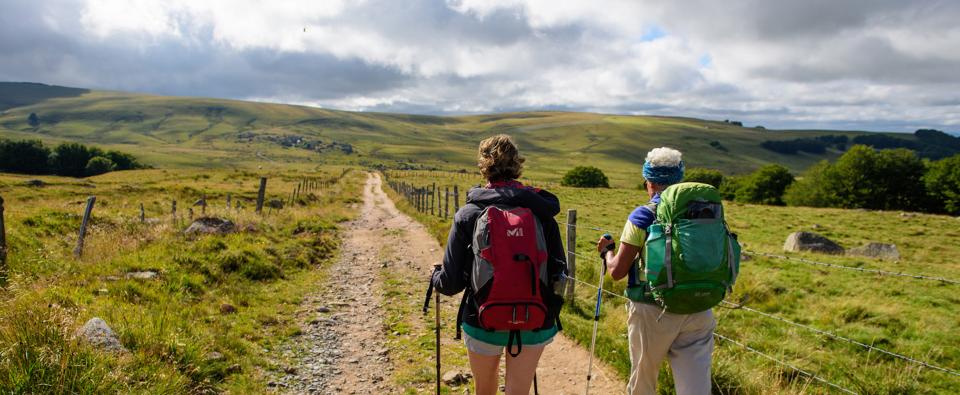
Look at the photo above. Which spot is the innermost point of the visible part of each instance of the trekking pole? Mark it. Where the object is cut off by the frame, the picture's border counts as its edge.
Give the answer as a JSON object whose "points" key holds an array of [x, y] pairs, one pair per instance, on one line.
{"points": [[596, 312], [436, 306]]}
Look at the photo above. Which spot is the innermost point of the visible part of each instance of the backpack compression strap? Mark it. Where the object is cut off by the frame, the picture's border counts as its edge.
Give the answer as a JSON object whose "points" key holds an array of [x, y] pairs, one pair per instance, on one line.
{"points": [[510, 342]]}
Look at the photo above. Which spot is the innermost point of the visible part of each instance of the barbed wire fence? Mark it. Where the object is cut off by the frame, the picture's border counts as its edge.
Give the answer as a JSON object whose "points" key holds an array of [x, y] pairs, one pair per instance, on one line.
{"points": [[572, 224]]}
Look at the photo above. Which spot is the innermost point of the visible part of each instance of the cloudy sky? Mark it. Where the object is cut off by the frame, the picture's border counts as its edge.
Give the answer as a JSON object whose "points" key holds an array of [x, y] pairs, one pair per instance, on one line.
{"points": [[856, 64]]}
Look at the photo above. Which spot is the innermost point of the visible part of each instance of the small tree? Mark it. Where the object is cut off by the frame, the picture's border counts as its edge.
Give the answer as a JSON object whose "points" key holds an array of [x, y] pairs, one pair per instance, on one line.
{"points": [[33, 120], [766, 185], [25, 156], [585, 177], [99, 165], [706, 176], [943, 184]]}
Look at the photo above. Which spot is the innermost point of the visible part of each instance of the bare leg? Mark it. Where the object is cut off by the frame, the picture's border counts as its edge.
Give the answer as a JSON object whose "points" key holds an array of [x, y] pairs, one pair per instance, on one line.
{"points": [[520, 370], [485, 373]]}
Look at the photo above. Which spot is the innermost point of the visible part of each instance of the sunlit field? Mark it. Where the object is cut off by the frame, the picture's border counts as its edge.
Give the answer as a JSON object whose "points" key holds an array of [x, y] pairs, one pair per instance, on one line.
{"points": [[219, 304]]}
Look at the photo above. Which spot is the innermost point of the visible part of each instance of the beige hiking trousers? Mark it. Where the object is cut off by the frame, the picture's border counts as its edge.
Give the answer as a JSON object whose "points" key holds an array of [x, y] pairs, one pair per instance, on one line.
{"points": [[687, 339]]}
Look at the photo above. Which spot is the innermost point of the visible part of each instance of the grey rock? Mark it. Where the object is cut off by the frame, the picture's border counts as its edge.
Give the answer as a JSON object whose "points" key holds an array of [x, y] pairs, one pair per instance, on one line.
{"points": [[210, 225], [145, 275], [456, 377], [809, 241], [97, 333], [877, 250]]}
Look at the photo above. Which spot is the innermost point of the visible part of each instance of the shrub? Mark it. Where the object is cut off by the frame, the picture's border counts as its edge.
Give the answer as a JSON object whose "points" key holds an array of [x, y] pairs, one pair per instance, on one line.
{"points": [[99, 165], [942, 182], [730, 186], [585, 177], [765, 186], [706, 176], [25, 156], [33, 120], [865, 178], [70, 159]]}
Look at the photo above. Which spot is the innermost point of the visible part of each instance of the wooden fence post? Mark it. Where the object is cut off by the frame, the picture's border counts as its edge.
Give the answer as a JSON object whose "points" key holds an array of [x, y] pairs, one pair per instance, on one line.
{"points": [[228, 200], [571, 251], [433, 198], [456, 198], [261, 193], [173, 211], [143, 214], [203, 204], [77, 252], [3, 246], [446, 202], [190, 214]]}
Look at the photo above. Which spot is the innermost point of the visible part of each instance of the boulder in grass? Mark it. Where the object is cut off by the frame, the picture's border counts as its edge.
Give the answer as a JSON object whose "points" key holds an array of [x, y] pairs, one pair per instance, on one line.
{"points": [[97, 333], [877, 250], [144, 275], [811, 242], [456, 377], [210, 225]]}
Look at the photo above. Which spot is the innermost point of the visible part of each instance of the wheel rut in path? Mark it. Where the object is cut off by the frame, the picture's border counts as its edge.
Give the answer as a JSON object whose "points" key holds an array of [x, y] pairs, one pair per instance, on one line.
{"points": [[343, 348]]}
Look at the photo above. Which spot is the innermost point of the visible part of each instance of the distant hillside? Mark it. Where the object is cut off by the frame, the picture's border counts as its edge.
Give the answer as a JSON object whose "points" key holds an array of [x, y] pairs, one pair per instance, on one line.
{"points": [[199, 132], [18, 94]]}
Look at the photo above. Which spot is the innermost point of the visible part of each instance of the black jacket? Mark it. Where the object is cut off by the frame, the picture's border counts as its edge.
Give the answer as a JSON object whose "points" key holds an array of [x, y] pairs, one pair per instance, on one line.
{"points": [[454, 276]]}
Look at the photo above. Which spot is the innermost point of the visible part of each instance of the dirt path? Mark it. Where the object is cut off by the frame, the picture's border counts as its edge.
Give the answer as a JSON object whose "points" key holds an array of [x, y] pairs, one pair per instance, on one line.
{"points": [[343, 348]]}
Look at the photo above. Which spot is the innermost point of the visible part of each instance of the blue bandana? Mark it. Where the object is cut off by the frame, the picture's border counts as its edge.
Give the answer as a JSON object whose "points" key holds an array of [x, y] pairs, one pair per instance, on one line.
{"points": [[663, 175]]}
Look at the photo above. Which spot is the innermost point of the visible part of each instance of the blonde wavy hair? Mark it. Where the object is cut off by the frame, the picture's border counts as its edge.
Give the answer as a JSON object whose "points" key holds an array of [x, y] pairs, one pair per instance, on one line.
{"points": [[499, 159]]}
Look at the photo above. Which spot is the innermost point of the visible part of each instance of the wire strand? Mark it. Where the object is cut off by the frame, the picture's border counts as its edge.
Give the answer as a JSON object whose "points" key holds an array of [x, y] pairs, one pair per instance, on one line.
{"points": [[860, 269], [784, 363], [839, 337]]}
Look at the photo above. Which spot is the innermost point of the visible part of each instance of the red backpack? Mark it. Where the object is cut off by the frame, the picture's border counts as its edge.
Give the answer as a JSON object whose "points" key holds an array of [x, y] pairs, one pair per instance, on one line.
{"points": [[509, 269]]}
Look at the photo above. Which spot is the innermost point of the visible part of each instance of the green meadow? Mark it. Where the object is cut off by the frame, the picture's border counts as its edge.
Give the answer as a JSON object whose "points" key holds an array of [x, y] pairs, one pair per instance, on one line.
{"points": [[915, 318], [180, 336]]}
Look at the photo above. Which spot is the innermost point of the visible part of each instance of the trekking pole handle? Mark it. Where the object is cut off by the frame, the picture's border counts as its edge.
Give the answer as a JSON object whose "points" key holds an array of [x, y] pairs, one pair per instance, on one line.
{"points": [[603, 254]]}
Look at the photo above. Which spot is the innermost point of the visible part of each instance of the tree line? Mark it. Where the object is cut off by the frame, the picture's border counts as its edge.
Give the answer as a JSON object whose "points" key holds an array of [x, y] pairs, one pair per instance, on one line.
{"points": [[863, 177], [66, 159], [928, 143]]}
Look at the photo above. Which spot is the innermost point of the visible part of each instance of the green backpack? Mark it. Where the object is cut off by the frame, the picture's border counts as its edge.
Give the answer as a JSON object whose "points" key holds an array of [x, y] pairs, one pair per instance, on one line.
{"points": [[691, 258]]}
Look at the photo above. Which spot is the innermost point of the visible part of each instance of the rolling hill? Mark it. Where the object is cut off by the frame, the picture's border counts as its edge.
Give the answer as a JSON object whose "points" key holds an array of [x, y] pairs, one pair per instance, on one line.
{"points": [[202, 132]]}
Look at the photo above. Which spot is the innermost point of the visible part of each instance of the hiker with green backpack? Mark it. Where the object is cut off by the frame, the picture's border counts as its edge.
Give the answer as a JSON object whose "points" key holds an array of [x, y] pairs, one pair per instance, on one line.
{"points": [[680, 260]]}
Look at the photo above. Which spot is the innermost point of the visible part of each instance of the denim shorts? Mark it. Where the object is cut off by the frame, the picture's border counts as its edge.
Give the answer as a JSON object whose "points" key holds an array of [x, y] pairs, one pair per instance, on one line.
{"points": [[484, 348]]}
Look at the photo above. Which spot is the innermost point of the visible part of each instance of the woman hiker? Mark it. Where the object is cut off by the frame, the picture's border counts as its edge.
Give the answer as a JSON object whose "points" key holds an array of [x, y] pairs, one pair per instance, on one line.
{"points": [[469, 261]]}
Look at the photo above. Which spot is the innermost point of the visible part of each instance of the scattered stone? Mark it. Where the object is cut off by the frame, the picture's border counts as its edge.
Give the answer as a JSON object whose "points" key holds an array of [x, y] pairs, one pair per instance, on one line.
{"points": [[103, 291], [816, 226], [112, 278], [227, 308], [877, 250], [383, 351], [210, 225], [456, 377], [290, 370], [809, 241], [234, 369], [97, 333], [145, 275], [323, 309], [745, 257], [35, 183], [214, 356], [907, 215]]}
